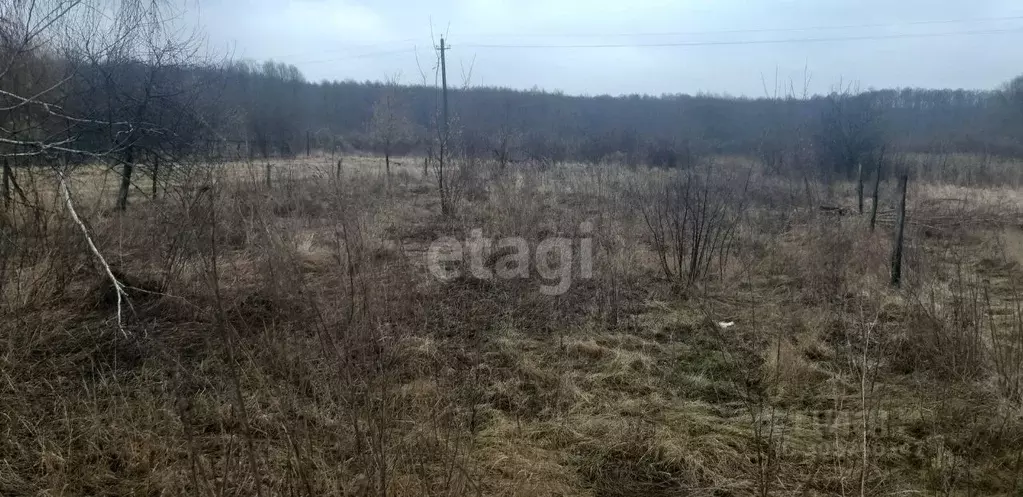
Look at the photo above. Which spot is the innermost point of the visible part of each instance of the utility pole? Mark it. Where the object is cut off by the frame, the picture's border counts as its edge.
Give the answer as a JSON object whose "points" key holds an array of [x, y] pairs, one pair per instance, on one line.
{"points": [[444, 129], [444, 86]]}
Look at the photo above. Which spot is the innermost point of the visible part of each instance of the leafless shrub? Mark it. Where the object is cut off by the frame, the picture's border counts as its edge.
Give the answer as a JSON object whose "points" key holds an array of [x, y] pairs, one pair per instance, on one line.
{"points": [[1006, 350], [692, 221], [944, 335]]}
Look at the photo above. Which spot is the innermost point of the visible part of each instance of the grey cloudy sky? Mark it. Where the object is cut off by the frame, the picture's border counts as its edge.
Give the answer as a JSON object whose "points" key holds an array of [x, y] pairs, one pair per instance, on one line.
{"points": [[727, 46]]}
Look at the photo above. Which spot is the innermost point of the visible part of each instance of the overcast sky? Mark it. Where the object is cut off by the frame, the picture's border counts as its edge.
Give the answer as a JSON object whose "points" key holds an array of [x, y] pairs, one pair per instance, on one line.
{"points": [[722, 46]]}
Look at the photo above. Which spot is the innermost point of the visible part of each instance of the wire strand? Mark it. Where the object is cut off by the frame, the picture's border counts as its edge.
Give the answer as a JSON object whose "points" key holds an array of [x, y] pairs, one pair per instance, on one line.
{"points": [[738, 31], [359, 56], [752, 42]]}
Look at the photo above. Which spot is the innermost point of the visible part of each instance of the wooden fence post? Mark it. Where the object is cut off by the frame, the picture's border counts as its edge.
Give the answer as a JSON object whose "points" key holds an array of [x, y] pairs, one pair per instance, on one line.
{"points": [[8, 173], [900, 229], [859, 188], [877, 187], [156, 172]]}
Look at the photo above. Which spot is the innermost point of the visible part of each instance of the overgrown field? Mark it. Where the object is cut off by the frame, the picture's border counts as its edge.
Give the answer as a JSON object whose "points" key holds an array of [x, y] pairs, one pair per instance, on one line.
{"points": [[286, 337]]}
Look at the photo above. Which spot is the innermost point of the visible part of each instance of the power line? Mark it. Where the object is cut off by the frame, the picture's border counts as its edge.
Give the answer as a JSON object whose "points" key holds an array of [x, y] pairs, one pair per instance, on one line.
{"points": [[349, 48], [756, 42], [359, 56], [352, 48], [385, 53], [738, 31], [412, 49]]}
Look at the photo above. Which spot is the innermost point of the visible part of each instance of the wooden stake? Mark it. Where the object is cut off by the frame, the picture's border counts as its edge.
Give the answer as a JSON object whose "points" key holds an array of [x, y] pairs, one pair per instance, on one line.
{"points": [[7, 183], [859, 188], [900, 229], [156, 172], [877, 187]]}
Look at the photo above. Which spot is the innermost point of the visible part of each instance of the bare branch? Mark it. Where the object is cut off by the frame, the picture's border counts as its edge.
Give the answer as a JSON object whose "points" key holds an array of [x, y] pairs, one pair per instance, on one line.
{"points": [[122, 296]]}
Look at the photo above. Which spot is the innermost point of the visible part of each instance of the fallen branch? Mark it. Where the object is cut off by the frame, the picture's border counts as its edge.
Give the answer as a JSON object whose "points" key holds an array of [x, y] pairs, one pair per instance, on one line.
{"points": [[118, 286]]}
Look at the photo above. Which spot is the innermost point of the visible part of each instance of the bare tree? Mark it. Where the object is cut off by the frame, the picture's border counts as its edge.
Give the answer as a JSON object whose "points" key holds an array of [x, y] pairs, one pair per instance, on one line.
{"points": [[849, 134], [505, 144], [65, 100], [92, 80], [390, 126], [142, 91], [507, 140]]}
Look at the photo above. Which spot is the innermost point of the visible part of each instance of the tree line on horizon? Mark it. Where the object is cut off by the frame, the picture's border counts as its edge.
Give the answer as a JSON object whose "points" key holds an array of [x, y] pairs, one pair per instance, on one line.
{"points": [[276, 105], [140, 94]]}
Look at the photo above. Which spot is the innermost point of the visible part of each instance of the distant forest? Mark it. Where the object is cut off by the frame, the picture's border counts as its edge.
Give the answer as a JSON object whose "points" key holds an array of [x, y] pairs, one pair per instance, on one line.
{"points": [[273, 103], [168, 104]]}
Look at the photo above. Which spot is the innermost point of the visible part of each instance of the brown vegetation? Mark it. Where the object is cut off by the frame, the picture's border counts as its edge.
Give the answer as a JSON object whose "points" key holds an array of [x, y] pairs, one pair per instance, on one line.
{"points": [[288, 340]]}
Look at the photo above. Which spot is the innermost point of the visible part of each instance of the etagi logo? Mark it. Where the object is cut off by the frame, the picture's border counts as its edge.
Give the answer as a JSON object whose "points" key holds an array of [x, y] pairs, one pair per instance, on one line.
{"points": [[553, 259]]}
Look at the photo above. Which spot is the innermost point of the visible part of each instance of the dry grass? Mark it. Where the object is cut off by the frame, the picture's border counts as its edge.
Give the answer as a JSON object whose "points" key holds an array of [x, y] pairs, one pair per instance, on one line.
{"points": [[290, 341], [977, 170]]}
